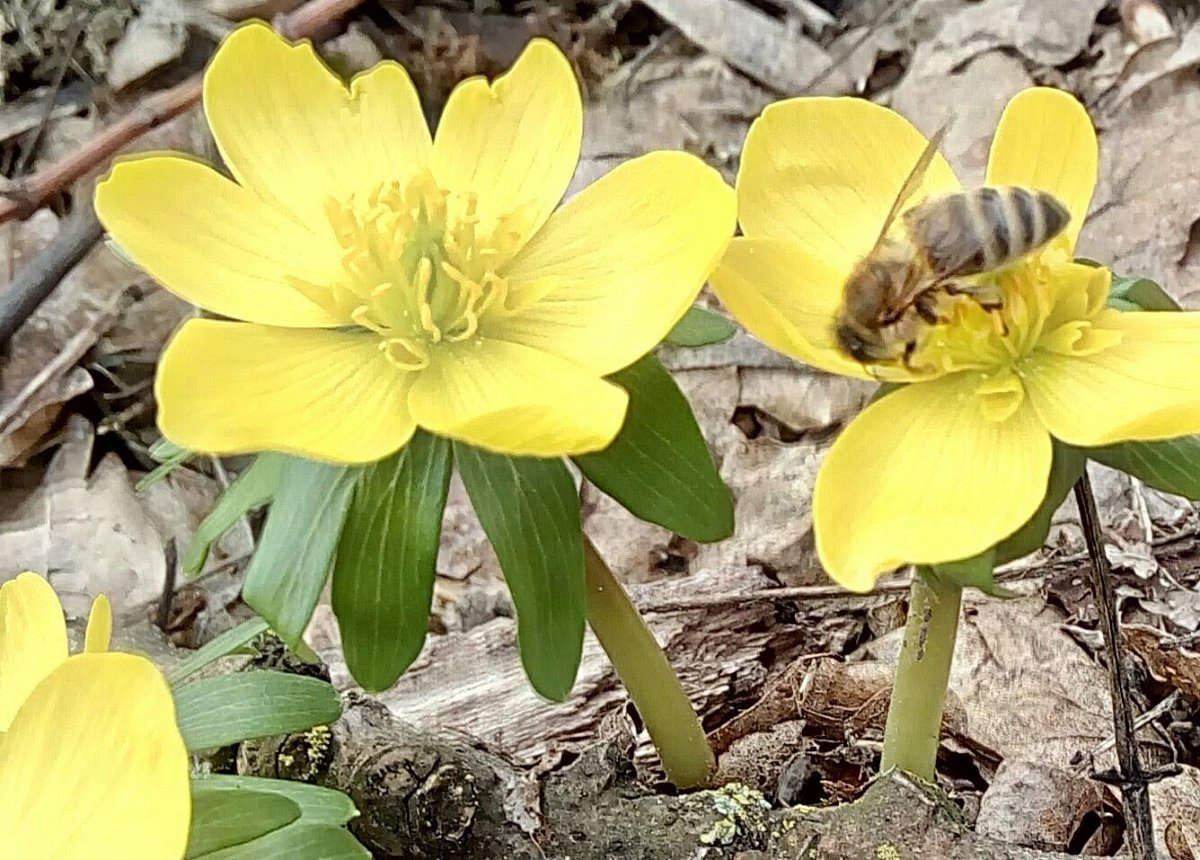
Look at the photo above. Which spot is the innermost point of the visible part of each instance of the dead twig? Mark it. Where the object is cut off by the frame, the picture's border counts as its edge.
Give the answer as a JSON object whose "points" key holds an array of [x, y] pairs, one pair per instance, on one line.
{"points": [[798, 592], [73, 38], [842, 58], [26, 196], [48, 266], [162, 618], [1135, 790]]}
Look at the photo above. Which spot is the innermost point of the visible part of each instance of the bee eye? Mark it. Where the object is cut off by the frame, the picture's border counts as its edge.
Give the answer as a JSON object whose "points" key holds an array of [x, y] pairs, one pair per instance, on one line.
{"points": [[854, 343]]}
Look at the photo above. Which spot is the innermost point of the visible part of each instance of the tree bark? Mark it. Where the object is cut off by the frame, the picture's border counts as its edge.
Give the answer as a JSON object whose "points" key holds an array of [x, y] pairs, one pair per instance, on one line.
{"points": [[441, 796]]}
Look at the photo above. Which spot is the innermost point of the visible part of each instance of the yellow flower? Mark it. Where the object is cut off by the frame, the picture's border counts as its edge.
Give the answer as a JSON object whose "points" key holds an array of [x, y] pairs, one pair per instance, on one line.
{"points": [[92, 765], [380, 280], [957, 459]]}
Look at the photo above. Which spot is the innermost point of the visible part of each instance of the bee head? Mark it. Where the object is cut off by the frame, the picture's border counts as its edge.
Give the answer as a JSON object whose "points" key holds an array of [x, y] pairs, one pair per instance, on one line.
{"points": [[852, 340]]}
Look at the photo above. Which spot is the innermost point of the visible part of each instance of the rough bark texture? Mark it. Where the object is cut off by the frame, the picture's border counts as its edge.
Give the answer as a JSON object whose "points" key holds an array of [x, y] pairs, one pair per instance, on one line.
{"points": [[723, 653], [425, 796]]}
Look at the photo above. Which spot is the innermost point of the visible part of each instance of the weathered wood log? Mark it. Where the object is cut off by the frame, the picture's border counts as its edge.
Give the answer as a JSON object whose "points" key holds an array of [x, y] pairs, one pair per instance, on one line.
{"points": [[423, 795], [724, 653]]}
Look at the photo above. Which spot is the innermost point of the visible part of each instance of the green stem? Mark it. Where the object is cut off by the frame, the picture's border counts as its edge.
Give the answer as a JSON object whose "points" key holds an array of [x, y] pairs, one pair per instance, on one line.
{"points": [[648, 677], [914, 721]]}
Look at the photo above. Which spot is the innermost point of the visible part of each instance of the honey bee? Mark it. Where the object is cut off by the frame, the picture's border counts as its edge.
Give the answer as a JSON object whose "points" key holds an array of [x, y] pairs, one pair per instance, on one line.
{"points": [[893, 292]]}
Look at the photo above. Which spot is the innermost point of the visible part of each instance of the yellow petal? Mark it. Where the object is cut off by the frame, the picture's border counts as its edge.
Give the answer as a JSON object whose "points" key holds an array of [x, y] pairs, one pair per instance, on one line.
{"points": [[1144, 387], [822, 173], [228, 388], [787, 298], [292, 131], [99, 626], [1045, 140], [513, 143], [922, 477], [627, 256], [93, 767], [33, 640], [212, 242], [513, 399]]}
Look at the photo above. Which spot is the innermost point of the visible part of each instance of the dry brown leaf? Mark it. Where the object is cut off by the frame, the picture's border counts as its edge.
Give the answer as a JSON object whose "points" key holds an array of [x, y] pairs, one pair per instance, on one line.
{"points": [[697, 104], [1175, 804], [801, 400], [156, 37], [1149, 196], [772, 487], [240, 10], [1029, 691], [933, 101], [1038, 805], [1049, 34], [85, 529], [1152, 62], [39, 374], [1179, 667], [772, 52]]}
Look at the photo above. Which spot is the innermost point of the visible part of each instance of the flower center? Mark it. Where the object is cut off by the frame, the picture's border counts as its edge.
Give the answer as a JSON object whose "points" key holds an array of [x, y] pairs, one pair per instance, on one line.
{"points": [[418, 268], [1049, 304]]}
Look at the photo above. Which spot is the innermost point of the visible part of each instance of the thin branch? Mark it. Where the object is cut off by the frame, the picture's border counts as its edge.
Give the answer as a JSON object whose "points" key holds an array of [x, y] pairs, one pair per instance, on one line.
{"points": [[38, 278], [1135, 790], [25, 197], [162, 618]]}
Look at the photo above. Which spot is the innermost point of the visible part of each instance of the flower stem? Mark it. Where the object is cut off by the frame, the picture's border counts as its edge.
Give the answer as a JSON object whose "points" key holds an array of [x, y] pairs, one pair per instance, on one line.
{"points": [[914, 720], [648, 677]]}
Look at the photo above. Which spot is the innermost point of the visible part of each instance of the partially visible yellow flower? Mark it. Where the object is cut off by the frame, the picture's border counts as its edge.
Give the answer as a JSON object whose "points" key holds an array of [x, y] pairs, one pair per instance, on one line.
{"points": [[382, 281], [92, 765], [959, 457]]}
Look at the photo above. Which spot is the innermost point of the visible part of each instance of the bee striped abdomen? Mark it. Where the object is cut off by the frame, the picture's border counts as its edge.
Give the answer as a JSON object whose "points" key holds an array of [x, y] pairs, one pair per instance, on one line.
{"points": [[970, 232]]}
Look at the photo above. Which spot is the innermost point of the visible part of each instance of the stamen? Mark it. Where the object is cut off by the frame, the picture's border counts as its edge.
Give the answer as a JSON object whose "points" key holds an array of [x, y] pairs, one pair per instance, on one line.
{"points": [[405, 353], [419, 266]]}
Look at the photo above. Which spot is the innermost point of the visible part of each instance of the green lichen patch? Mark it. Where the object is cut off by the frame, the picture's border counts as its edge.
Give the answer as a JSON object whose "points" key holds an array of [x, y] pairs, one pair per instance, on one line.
{"points": [[742, 817]]}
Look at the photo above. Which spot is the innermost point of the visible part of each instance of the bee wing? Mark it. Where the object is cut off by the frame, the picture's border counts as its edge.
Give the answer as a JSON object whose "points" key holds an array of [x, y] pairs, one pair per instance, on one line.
{"points": [[913, 181], [909, 291]]}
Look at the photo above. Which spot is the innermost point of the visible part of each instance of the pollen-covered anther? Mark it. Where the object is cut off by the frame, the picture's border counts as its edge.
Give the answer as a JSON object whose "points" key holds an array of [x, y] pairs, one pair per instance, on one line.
{"points": [[419, 266]]}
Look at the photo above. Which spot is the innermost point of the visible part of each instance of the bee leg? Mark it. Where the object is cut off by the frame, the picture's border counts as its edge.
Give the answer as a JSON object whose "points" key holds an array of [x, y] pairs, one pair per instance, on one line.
{"points": [[926, 307], [909, 349]]}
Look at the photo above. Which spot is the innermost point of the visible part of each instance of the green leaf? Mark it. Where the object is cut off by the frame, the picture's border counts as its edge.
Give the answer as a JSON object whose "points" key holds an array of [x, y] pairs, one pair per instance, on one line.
{"points": [[529, 508], [1065, 469], [169, 456], [292, 561], [226, 643], [659, 467], [217, 712], [976, 572], [164, 451], [298, 842], [222, 818], [253, 488], [317, 805], [1139, 294], [700, 327], [1170, 465], [386, 560]]}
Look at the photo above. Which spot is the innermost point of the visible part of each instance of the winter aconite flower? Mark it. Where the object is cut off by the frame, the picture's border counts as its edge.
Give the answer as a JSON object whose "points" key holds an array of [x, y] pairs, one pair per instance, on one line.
{"points": [[958, 457], [380, 280], [92, 766]]}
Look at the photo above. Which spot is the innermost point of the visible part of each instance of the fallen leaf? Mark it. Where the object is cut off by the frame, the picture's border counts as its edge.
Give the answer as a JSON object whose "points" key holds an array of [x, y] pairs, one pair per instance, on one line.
{"points": [[156, 37], [1175, 808], [1043, 806], [39, 373]]}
